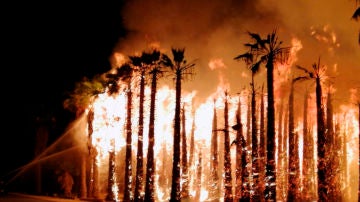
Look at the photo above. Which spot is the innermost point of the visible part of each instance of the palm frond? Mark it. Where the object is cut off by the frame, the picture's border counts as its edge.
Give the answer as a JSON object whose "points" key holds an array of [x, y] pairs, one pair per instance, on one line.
{"points": [[300, 78], [311, 74], [252, 46], [178, 54], [255, 67], [166, 61], [356, 15], [256, 37], [135, 60], [247, 57]]}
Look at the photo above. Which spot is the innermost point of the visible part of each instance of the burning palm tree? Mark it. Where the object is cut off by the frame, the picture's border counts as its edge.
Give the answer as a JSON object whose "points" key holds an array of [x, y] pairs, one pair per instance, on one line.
{"points": [[181, 69], [254, 68], [79, 100], [294, 160], [125, 74], [316, 74], [227, 158], [136, 62], [151, 59], [269, 51]]}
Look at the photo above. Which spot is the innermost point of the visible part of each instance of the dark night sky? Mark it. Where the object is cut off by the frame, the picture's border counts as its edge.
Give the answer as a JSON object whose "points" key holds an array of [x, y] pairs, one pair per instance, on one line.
{"points": [[46, 48]]}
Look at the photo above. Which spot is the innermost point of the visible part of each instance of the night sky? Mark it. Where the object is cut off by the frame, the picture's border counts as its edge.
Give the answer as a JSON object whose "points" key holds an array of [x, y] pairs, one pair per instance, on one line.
{"points": [[46, 48]]}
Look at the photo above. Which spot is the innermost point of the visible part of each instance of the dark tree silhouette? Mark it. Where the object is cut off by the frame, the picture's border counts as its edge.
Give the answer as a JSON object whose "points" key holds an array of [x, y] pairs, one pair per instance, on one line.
{"points": [[124, 74], [152, 59], [184, 160], [227, 158], [294, 160], [180, 68], [242, 189], [316, 74], [214, 169], [138, 64], [254, 68], [269, 51]]}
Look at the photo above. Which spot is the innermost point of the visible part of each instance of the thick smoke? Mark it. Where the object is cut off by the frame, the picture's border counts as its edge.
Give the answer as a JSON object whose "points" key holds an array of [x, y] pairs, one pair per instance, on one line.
{"points": [[218, 29]]}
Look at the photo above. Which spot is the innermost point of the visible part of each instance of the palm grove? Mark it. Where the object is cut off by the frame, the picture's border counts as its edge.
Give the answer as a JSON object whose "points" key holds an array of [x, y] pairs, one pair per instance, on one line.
{"points": [[259, 174]]}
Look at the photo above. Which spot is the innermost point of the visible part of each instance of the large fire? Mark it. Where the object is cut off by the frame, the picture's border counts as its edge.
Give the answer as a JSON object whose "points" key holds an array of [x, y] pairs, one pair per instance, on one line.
{"points": [[109, 135]]}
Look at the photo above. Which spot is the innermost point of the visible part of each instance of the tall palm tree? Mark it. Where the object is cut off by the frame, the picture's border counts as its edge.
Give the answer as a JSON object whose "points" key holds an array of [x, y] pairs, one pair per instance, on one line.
{"points": [[294, 160], [254, 68], [79, 100], [181, 69], [214, 164], [242, 189], [125, 74], [152, 60], [268, 50], [262, 145], [316, 74], [227, 158], [308, 173], [137, 63]]}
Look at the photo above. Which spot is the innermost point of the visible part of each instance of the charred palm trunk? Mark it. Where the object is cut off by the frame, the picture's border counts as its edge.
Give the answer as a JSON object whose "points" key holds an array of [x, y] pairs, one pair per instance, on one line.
{"points": [[214, 158], [308, 158], [241, 150], [238, 183], [262, 146], [192, 145], [175, 187], [227, 159], [111, 174], [184, 162], [281, 154], [198, 180], [270, 189], [150, 166], [322, 185], [254, 140], [128, 159], [293, 152], [139, 161], [333, 157], [92, 154]]}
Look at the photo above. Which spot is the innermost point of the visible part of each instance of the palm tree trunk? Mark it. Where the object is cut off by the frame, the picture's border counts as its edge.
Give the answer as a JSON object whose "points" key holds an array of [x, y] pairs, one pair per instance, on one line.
{"points": [[308, 158], [139, 161], [293, 153], [111, 174], [92, 156], [128, 159], [270, 189], [238, 183], [262, 146], [322, 185], [254, 140], [198, 180], [184, 162], [227, 158], [214, 158], [150, 166], [333, 160], [175, 186]]}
